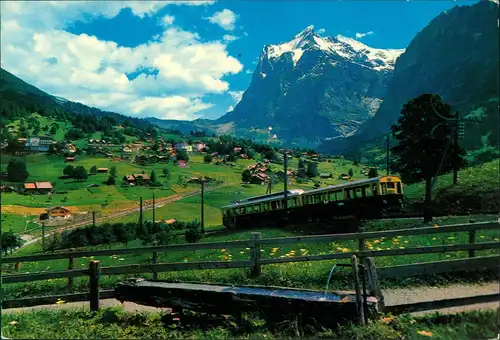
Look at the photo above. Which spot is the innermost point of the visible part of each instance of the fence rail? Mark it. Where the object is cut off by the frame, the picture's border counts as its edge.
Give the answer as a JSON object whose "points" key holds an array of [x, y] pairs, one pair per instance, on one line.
{"points": [[255, 262]]}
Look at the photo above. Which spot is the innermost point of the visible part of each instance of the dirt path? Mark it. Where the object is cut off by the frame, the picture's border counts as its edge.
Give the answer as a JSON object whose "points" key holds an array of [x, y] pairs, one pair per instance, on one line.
{"points": [[392, 297], [146, 206], [421, 294]]}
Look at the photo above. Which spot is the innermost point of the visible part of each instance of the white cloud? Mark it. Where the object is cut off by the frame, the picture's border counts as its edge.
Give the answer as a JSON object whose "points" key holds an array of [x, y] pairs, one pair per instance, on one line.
{"points": [[225, 19], [83, 68], [230, 108], [362, 35], [236, 95], [167, 20], [248, 71], [229, 38], [321, 31]]}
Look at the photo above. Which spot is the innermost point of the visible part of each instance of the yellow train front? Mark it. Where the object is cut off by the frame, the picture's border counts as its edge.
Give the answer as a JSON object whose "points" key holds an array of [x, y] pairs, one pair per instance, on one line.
{"points": [[365, 199]]}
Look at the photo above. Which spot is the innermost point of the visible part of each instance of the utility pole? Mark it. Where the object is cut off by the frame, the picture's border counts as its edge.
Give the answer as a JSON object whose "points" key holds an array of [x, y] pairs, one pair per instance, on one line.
{"points": [[285, 208], [154, 220], [93, 218], [458, 133], [202, 205], [387, 150], [140, 214], [43, 236]]}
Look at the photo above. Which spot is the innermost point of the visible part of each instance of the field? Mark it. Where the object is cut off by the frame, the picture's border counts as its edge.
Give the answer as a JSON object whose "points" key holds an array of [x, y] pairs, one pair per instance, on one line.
{"points": [[119, 324], [311, 275]]}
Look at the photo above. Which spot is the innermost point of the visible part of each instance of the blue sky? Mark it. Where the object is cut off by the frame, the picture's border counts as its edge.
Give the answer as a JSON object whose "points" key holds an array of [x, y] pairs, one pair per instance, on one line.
{"points": [[177, 60]]}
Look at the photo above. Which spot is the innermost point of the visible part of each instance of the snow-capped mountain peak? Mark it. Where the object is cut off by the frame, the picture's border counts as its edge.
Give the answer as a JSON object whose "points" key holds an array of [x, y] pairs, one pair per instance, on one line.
{"points": [[347, 48]]}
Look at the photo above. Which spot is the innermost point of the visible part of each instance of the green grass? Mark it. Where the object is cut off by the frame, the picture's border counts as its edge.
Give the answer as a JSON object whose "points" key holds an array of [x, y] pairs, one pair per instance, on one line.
{"points": [[477, 190], [118, 324], [311, 275], [18, 223]]}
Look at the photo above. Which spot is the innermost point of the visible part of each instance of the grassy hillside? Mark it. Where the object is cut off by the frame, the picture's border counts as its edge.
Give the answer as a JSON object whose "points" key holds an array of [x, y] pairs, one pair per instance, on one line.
{"points": [[478, 189]]}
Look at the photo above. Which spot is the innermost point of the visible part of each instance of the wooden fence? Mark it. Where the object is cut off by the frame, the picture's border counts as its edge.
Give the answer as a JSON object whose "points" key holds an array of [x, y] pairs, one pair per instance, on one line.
{"points": [[94, 271]]}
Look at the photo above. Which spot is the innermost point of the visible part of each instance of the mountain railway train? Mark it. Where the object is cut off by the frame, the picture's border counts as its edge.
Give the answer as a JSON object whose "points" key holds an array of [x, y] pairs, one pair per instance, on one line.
{"points": [[364, 199]]}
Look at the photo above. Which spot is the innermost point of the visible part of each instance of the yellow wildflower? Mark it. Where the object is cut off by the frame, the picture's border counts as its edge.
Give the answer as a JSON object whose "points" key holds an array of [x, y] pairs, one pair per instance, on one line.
{"points": [[13, 323], [425, 333], [401, 247], [406, 241], [388, 319], [59, 302], [275, 249], [433, 238]]}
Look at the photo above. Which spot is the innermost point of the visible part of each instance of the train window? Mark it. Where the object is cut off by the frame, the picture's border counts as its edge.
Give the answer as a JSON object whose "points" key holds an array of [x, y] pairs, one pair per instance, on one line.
{"points": [[383, 188], [242, 210], [363, 191], [347, 194], [390, 185], [256, 208]]}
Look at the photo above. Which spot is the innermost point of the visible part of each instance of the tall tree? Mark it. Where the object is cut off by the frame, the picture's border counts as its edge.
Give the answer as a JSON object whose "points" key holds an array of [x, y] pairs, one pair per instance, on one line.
{"points": [[312, 169], [372, 173], [246, 176], [16, 171], [350, 172], [420, 154]]}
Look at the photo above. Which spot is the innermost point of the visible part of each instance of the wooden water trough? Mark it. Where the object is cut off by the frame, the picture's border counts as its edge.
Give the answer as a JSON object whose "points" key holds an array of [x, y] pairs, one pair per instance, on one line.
{"points": [[274, 303]]}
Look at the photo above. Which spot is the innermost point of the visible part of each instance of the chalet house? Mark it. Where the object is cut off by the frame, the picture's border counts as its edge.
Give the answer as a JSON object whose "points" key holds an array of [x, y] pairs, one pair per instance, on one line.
{"points": [[30, 187], [70, 148], [102, 170], [243, 156], [325, 175], [38, 143], [182, 164], [213, 154], [198, 146], [129, 178], [344, 177], [70, 159], [56, 213], [22, 140], [259, 178], [237, 150]]}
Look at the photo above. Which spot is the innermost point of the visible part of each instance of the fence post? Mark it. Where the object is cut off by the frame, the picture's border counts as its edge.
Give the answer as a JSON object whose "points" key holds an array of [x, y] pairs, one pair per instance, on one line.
{"points": [[71, 266], [357, 286], [361, 243], [472, 239], [155, 261], [255, 255], [371, 272], [94, 271]]}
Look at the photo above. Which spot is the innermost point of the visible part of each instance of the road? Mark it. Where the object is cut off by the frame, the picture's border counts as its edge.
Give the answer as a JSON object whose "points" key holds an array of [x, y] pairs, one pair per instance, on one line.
{"points": [[147, 205]]}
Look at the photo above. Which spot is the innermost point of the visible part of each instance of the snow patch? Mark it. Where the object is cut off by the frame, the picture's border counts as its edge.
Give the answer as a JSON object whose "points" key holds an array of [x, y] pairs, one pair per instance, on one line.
{"points": [[347, 48]]}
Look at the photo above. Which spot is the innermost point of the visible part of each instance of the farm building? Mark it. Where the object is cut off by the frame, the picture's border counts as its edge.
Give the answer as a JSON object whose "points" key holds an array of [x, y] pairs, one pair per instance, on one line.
{"points": [[181, 164], [325, 175], [30, 187], [5, 188], [43, 187], [40, 187], [132, 179], [102, 170], [70, 159], [56, 213]]}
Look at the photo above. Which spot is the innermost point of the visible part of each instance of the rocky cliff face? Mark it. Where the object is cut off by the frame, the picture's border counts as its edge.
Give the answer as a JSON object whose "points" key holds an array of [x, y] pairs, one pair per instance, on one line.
{"points": [[313, 88], [455, 56]]}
